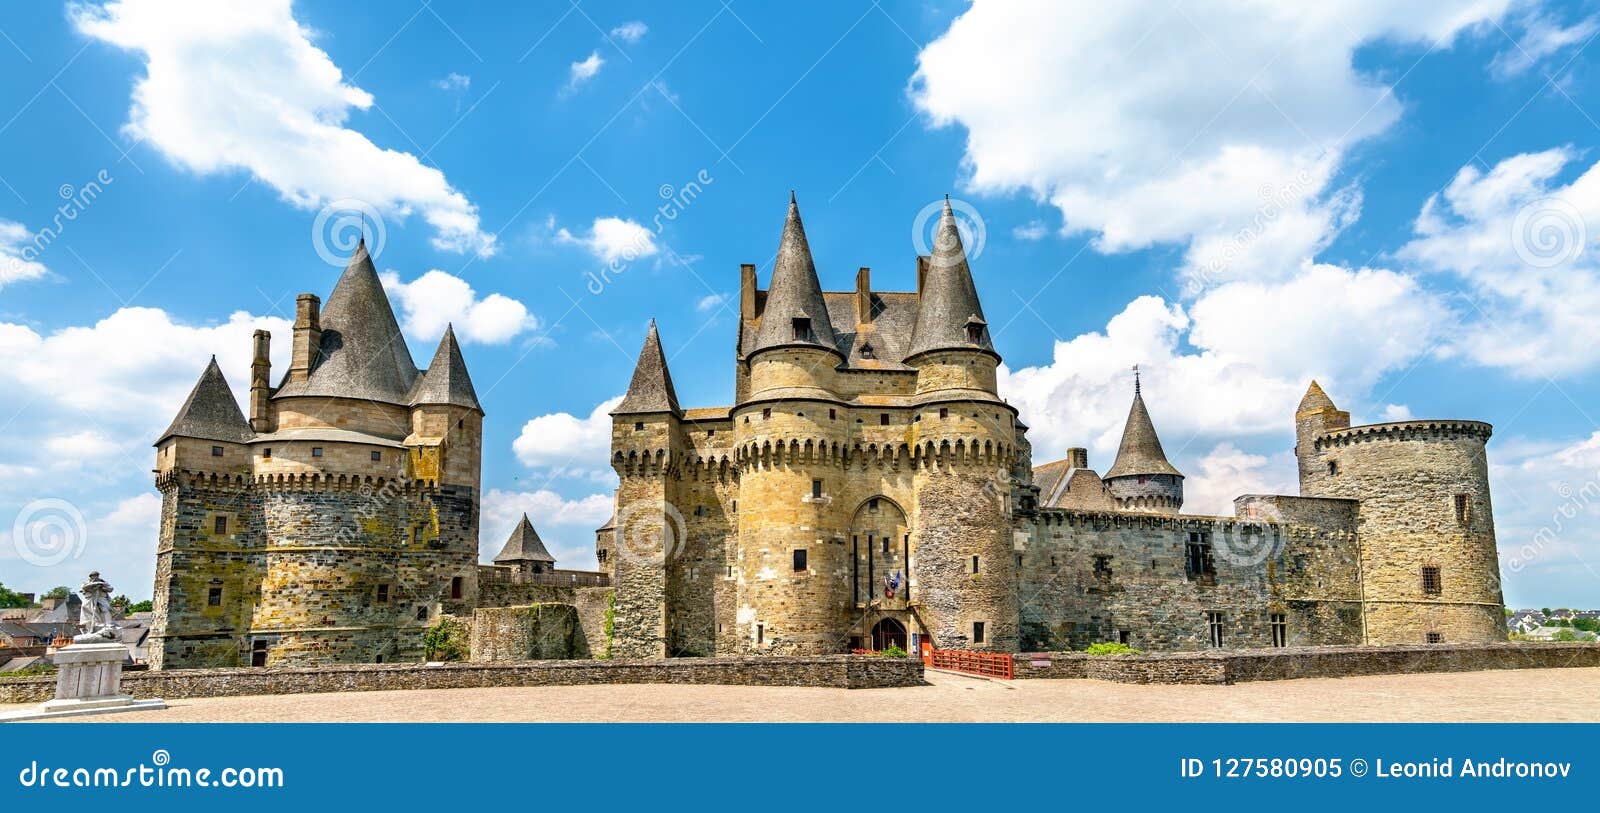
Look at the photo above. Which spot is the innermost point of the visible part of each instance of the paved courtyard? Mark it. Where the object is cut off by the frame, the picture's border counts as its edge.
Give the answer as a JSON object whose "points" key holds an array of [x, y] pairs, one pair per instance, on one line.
{"points": [[1511, 695]]}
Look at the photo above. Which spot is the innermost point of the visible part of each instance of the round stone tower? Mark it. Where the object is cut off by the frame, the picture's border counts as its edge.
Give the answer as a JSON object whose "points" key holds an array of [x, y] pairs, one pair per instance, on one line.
{"points": [[793, 594], [964, 441], [1141, 479], [1429, 565]]}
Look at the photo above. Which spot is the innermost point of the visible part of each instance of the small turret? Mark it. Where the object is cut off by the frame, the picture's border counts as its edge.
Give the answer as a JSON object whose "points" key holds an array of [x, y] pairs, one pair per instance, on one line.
{"points": [[949, 316], [446, 380], [1142, 479], [210, 413], [795, 313], [650, 390], [1315, 417], [524, 551]]}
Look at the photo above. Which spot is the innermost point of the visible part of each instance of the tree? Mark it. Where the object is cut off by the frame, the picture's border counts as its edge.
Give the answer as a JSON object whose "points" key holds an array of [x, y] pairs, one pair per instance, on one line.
{"points": [[1545, 610], [146, 606], [120, 605], [1566, 635], [11, 598], [59, 591], [1586, 624]]}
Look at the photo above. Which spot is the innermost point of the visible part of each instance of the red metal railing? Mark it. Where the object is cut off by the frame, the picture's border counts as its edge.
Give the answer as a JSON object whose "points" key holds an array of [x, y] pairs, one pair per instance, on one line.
{"points": [[988, 664]]}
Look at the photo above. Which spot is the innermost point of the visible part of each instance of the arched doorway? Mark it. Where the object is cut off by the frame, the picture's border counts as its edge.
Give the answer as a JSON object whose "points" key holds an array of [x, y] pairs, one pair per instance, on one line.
{"points": [[887, 633], [881, 550]]}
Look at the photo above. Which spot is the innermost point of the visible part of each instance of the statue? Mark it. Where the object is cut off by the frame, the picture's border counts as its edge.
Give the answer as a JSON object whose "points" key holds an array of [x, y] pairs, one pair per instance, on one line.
{"points": [[95, 618]]}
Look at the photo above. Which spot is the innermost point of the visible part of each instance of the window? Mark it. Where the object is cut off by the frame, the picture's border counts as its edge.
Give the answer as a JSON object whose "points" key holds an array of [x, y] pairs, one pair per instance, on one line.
{"points": [[422, 613], [977, 632], [702, 511], [214, 597], [219, 525], [1198, 554], [1333, 468], [455, 587], [802, 329], [1280, 628], [867, 352], [872, 505], [1102, 566], [943, 413], [1435, 638], [799, 560], [735, 506], [316, 451], [711, 433], [974, 564], [376, 456], [1019, 561], [1463, 509], [975, 332], [1432, 581], [883, 419], [416, 534], [216, 451], [600, 555], [383, 594], [816, 489], [766, 414], [1052, 560], [1122, 636], [830, 414], [266, 454], [638, 426], [258, 652], [1214, 623], [761, 634], [886, 546]]}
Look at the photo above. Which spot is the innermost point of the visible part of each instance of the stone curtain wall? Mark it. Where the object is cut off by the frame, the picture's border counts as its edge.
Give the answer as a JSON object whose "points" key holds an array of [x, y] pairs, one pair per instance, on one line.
{"points": [[591, 606], [832, 671], [533, 632], [1303, 567], [1225, 667]]}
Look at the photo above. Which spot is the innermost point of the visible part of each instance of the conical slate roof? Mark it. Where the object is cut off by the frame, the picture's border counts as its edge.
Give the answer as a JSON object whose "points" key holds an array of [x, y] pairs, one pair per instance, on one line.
{"points": [[210, 413], [524, 545], [1140, 452], [363, 354], [651, 387], [795, 292], [949, 300], [1315, 399], [446, 380]]}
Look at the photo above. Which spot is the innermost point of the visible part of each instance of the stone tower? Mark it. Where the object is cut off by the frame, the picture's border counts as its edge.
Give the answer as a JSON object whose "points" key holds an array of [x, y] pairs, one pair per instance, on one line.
{"points": [[1429, 566], [1141, 479], [341, 518]]}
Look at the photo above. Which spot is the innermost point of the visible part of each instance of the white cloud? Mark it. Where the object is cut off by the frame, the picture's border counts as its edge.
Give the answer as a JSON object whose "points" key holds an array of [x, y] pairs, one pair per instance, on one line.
{"points": [[1219, 128], [710, 302], [630, 32], [565, 443], [1525, 246], [1032, 230], [1547, 519], [82, 446], [1542, 36], [1234, 364], [566, 526], [240, 86], [436, 299], [584, 70], [18, 255], [120, 543], [612, 239], [453, 82], [1226, 472]]}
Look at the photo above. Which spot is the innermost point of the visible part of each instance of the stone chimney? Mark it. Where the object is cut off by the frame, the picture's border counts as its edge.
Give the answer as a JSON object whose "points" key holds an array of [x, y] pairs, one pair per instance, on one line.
{"points": [[260, 383], [307, 336], [864, 295], [1077, 458]]}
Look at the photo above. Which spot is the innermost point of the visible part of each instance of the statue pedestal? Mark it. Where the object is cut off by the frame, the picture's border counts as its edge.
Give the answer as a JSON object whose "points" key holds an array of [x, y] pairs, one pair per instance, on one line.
{"points": [[89, 681]]}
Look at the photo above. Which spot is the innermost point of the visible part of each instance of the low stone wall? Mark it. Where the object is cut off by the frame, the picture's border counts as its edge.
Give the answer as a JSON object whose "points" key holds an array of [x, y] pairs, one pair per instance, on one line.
{"points": [[832, 671], [1237, 666]]}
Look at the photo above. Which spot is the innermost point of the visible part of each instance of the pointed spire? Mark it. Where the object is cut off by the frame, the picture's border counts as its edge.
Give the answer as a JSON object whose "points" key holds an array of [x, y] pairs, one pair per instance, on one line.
{"points": [[363, 354], [651, 388], [446, 380], [949, 315], [795, 294], [524, 545], [1140, 451], [1315, 399], [210, 413]]}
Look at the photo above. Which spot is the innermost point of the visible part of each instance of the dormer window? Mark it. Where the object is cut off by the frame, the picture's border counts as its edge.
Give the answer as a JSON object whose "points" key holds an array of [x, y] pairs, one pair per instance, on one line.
{"points": [[867, 352], [802, 329], [975, 330]]}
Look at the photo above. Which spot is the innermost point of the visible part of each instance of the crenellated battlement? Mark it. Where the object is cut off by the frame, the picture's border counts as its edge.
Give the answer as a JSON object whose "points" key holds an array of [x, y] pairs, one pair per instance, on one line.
{"points": [[1423, 430]]}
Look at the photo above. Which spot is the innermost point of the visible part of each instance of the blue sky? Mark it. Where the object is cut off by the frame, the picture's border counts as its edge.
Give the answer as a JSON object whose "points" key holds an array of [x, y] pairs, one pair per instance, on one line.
{"points": [[1401, 203]]}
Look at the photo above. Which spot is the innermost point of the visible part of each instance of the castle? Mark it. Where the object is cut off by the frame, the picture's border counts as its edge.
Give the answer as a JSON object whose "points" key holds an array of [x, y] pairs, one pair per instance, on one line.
{"points": [[868, 488]]}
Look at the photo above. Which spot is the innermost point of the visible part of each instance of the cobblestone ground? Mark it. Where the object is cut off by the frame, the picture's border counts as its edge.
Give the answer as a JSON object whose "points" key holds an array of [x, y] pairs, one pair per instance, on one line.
{"points": [[1511, 695]]}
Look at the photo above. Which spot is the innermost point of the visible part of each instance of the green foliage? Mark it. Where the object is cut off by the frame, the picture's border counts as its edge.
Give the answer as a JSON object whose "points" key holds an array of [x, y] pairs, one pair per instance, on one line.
{"points": [[59, 591], [1586, 624], [1566, 635], [1109, 648], [11, 598], [146, 606], [611, 625], [121, 604], [446, 640], [1545, 610], [892, 651], [36, 669]]}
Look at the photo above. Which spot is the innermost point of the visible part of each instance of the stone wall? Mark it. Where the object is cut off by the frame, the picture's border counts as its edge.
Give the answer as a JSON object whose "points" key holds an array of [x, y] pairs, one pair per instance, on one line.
{"points": [[833, 671], [532, 632], [1224, 667], [591, 635]]}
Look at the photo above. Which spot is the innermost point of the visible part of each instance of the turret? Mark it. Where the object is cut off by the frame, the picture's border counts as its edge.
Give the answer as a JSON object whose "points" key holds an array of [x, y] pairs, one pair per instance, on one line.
{"points": [[525, 552], [1315, 416], [209, 432], [796, 349], [446, 419], [950, 346], [1141, 479]]}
